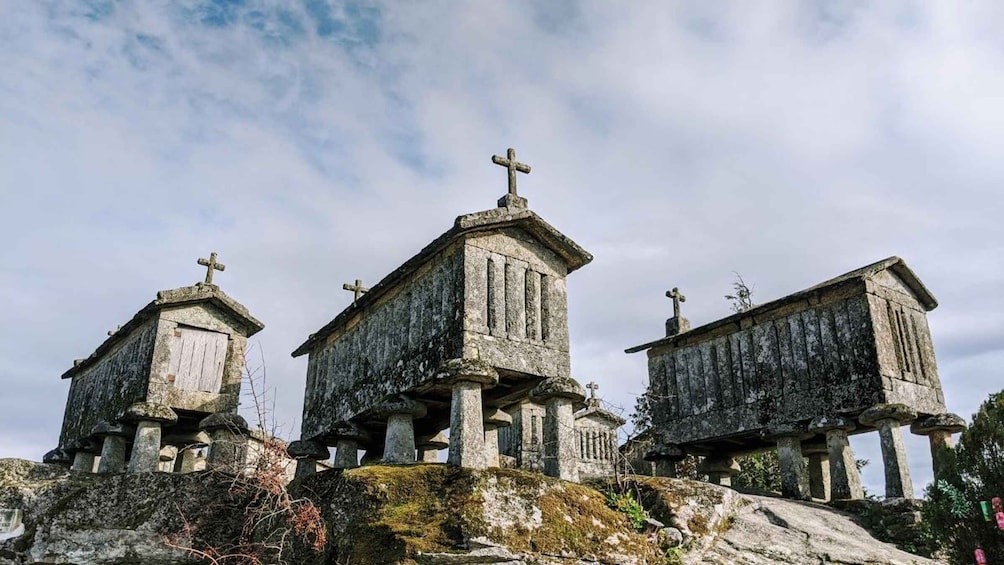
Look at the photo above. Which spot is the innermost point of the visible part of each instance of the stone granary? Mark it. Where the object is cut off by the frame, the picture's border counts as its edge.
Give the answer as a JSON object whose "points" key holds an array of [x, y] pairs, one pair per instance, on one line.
{"points": [[473, 323], [851, 355], [162, 386], [596, 432]]}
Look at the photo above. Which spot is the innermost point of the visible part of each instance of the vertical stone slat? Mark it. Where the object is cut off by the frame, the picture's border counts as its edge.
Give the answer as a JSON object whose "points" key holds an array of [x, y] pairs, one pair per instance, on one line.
{"points": [[498, 296], [723, 372], [532, 305], [712, 402], [677, 360]]}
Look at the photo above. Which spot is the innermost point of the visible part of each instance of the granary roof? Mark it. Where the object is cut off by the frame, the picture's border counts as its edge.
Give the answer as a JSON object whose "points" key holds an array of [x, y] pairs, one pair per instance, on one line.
{"points": [[494, 219], [184, 296], [895, 264], [601, 413]]}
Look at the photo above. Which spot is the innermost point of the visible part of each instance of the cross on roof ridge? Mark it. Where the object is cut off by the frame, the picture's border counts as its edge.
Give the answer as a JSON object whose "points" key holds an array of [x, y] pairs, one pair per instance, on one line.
{"points": [[511, 199], [211, 265], [677, 297], [357, 289]]}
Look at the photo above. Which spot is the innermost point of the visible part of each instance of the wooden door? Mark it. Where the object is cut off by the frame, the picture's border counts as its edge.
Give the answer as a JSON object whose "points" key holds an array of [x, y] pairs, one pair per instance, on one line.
{"points": [[197, 358]]}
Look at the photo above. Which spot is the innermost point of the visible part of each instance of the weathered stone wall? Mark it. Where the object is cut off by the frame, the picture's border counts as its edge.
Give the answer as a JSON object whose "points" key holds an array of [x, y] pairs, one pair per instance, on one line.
{"points": [[515, 304], [835, 354], [392, 347], [110, 385], [597, 445], [202, 316], [523, 439]]}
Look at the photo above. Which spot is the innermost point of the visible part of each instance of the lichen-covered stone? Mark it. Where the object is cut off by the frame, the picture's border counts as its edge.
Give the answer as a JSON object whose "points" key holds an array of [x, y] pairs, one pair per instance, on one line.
{"points": [[300, 449], [105, 428], [232, 422], [948, 422], [558, 387], [900, 413], [149, 412], [826, 423]]}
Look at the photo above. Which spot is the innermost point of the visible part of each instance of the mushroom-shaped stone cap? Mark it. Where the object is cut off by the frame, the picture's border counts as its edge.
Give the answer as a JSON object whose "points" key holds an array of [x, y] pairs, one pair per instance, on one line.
{"points": [[57, 456], [307, 449], [400, 405], [168, 453], [438, 441], [496, 418], [106, 428], [951, 423], [827, 423], [149, 412], [85, 445], [899, 412], [719, 465], [665, 453], [233, 422], [473, 370], [788, 429], [348, 431], [558, 387]]}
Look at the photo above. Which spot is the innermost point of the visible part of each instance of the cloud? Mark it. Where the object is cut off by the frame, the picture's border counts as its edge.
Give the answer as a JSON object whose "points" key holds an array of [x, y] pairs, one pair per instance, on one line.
{"points": [[314, 143]]}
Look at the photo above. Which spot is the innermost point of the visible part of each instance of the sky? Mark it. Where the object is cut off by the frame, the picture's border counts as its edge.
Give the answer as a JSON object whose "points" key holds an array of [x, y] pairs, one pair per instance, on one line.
{"points": [[313, 143]]}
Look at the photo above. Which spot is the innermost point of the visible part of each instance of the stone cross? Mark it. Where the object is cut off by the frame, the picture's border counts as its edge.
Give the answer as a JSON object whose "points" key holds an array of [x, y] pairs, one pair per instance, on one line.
{"points": [[593, 387], [358, 289], [677, 299], [510, 163], [211, 265]]}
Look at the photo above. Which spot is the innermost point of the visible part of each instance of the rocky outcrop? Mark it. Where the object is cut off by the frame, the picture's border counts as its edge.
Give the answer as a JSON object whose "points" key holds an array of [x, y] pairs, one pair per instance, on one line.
{"points": [[427, 514]]}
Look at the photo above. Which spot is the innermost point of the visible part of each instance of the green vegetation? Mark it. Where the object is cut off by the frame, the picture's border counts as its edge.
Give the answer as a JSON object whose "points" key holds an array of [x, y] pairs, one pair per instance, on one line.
{"points": [[952, 516], [626, 502]]}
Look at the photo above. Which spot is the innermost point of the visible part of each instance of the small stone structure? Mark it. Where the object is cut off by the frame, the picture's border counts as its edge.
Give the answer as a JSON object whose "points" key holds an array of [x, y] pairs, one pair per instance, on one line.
{"points": [[178, 361], [470, 325], [595, 431], [851, 355]]}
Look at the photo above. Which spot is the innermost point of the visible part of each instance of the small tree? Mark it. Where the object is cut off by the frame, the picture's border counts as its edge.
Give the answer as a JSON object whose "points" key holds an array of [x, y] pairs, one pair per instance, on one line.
{"points": [[952, 516], [742, 300]]}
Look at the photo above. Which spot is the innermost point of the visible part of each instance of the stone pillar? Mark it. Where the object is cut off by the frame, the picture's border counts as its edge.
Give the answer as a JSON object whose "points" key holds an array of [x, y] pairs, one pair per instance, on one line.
{"points": [[665, 458], [190, 457], [347, 437], [149, 418], [399, 443], [819, 469], [428, 447], [83, 455], [58, 457], [228, 443], [794, 478], [888, 418], [719, 469], [168, 454], [493, 420], [113, 445], [845, 481], [939, 430], [467, 431], [307, 453], [559, 395]]}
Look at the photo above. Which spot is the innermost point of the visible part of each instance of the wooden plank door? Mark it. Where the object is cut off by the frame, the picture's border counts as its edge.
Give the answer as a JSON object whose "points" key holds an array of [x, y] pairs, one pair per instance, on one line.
{"points": [[197, 358]]}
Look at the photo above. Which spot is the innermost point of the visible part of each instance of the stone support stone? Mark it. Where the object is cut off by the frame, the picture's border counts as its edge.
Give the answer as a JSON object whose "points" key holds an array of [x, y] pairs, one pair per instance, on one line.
{"points": [[845, 481], [306, 453], [148, 418], [493, 420], [58, 457], [113, 445], [168, 454], [428, 447], [665, 458], [348, 437], [719, 469], [794, 477], [228, 442], [399, 442], [560, 395], [888, 418], [467, 432], [818, 457], [83, 456], [190, 458], [939, 430]]}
